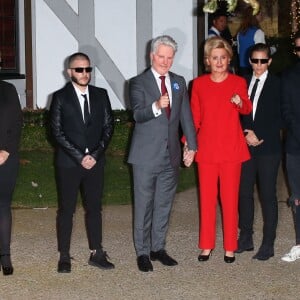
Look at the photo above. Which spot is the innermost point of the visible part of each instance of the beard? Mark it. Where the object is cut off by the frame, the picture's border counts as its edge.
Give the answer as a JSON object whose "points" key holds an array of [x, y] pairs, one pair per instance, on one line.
{"points": [[75, 80]]}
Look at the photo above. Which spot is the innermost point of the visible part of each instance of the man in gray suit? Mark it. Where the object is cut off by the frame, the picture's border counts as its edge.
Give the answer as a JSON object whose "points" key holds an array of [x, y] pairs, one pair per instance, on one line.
{"points": [[160, 104]]}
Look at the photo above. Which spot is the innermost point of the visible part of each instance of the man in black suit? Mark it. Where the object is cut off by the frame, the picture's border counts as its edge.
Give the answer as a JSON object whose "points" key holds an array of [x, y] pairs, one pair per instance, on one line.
{"points": [[291, 116], [82, 125], [10, 133], [262, 133]]}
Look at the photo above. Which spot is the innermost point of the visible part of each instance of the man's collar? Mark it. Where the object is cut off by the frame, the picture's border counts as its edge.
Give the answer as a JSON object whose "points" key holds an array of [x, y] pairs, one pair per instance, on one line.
{"points": [[213, 28], [157, 75], [262, 76], [78, 91]]}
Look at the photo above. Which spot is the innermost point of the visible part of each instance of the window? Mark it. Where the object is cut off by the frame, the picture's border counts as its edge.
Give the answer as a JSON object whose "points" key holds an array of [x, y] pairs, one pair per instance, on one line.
{"points": [[9, 37]]}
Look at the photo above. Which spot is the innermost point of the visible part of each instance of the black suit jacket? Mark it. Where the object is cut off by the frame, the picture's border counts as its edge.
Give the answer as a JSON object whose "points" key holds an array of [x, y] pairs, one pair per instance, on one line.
{"points": [[10, 118], [70, 132], [267, 122], [291, 108]]}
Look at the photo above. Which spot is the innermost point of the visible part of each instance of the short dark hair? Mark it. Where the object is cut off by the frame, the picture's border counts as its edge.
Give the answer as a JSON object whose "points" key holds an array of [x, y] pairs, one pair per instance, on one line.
{"points": [[219, 13], [77, 55], [261, 47]]}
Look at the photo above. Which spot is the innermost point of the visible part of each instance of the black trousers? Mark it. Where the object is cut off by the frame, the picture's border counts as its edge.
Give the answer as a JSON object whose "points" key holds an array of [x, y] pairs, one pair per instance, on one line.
{"points": [[265, 170], [8, 176], [293, 170], [69, 182]]}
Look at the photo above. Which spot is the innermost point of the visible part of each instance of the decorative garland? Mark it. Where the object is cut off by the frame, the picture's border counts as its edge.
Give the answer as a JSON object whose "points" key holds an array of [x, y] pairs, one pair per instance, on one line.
{"points": [[295, 16], [212, 5]]}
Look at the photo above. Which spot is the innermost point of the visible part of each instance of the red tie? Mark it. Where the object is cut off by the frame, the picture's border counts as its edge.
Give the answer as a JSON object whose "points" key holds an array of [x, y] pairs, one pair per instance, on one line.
{"points": [[163, 92]]}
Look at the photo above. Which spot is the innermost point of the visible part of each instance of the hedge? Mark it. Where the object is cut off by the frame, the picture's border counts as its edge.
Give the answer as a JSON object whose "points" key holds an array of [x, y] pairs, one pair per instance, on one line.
{"points": [[36, 134]]}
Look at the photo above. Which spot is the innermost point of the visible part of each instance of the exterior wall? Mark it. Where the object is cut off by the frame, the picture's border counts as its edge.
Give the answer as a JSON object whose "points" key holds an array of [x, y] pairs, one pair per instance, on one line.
{"points": [[115, 35], [20, 84]]}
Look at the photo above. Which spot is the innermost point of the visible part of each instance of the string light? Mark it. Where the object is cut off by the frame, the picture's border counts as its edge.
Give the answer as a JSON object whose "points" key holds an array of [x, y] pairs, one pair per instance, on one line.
{"points": [[212, 5], [295, 16]]}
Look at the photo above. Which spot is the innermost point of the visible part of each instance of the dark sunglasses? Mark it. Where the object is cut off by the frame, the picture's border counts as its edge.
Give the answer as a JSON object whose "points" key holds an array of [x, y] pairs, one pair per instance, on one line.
{"points": [[297, 48], [80, 70], [261, 60]]}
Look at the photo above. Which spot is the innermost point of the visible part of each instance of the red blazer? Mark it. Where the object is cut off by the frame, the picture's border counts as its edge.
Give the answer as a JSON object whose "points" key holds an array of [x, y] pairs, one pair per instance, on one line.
{"points": [[217, 121]]}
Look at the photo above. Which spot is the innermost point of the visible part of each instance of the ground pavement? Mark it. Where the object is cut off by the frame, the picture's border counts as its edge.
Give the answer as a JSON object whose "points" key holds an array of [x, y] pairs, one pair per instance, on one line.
{"points": [[35, 256]]}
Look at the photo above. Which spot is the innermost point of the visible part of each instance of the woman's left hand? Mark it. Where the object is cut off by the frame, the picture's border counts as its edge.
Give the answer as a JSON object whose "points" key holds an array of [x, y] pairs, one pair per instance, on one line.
{"points": [[236, 99]]}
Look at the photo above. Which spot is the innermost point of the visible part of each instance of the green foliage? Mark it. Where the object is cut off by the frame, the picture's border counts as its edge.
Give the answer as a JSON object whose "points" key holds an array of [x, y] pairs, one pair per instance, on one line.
{"points": [[36, 187], [121, 138], [36, 181], [35, 137], [36, 134]]}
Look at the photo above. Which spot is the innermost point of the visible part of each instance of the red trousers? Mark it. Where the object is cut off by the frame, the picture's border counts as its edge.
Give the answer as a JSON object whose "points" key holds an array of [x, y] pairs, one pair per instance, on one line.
{"points": [[212, 178]]}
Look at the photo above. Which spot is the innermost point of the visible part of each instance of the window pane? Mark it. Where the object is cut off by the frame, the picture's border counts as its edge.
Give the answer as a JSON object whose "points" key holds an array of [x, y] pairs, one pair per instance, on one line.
{"points": [[8, 46]]}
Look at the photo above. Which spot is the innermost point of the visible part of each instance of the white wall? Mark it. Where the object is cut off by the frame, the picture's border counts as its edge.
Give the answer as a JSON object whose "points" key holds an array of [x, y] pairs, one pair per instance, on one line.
{"points": [[56, 37], [53, 43], [175, 18], [20, 84], [115, 31]]}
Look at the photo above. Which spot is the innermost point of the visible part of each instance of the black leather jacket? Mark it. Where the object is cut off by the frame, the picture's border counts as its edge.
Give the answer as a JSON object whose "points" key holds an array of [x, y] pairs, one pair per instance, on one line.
{"points": [[70, 132]]}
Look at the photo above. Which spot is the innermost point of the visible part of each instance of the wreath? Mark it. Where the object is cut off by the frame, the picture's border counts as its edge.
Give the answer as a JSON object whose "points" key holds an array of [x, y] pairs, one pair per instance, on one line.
{"points": [[212, 5]]}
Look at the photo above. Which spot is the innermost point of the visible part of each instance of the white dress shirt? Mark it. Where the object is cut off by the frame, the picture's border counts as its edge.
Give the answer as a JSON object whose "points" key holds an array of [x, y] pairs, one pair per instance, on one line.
{"points": [[81, 98], [260, 86]]}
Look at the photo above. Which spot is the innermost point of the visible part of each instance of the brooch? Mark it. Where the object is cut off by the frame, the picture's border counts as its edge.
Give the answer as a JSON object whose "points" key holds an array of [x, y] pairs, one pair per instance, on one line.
{"points": [[175, 86]]}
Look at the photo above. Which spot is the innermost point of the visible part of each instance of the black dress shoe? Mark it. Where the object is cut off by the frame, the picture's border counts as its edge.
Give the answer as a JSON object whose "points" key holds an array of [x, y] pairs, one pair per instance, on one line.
{"points": [[241, 250], [202, 257], [64, 267], [64, 264], [229, 259], [144, 263], [6, 264], [245, 243], [99, 259], [264, 253], [163, 257]]}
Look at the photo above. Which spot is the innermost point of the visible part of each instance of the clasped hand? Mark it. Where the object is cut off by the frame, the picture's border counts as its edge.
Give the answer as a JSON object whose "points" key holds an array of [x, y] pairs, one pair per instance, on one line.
{"points": [[188, 156], [252, 139], [88, 162], [3, 156]]}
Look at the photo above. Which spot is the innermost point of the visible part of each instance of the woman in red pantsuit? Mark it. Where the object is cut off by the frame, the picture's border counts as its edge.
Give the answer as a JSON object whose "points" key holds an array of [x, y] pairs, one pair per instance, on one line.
{"points": [[218, 98]]}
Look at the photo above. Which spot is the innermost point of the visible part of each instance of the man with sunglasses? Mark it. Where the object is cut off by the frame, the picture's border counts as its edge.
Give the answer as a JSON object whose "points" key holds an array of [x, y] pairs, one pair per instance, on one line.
{"points": [[82, 125], [262, 133], [291, 116]]}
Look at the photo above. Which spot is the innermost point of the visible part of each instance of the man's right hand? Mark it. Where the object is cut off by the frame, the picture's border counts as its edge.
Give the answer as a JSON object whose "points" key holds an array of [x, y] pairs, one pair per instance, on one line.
{"points": [[163, 101], [3, 156], [88, 162], [252, 139]]}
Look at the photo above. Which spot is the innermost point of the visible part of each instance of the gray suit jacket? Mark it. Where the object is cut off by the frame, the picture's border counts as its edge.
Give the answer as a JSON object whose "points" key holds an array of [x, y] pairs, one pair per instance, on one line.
{"points": [[152, 135]]}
